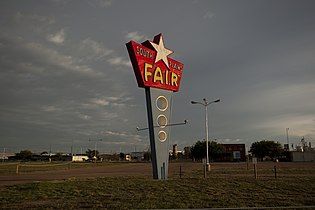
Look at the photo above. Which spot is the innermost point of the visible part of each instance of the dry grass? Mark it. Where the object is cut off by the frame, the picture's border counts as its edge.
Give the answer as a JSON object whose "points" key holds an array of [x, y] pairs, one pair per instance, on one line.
{"points": [[227, 185]]}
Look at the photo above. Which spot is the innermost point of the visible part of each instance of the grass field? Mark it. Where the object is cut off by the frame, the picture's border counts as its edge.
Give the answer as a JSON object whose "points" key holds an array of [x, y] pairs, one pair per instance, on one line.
{"points": [[226, 186]]}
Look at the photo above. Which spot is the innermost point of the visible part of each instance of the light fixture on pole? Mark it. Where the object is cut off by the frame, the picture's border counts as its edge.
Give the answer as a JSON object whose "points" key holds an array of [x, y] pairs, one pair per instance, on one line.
{"points": [[205, 103]]}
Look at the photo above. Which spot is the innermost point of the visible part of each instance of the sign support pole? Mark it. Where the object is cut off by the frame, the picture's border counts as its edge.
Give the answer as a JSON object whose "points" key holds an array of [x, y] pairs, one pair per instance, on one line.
{"points": [[151, 132]]}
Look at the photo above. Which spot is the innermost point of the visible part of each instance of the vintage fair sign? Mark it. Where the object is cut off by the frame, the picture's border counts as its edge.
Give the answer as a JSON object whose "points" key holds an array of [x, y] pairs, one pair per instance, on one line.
{"points": [[160, 76], [153, 67]]}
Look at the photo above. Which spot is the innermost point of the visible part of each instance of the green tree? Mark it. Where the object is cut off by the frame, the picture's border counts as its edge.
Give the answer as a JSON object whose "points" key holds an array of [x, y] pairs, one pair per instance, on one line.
{"points": [[58, 156], [121, 156], [92, 153], [265, 148], [215, 150], [198, 150], [24, 155]]}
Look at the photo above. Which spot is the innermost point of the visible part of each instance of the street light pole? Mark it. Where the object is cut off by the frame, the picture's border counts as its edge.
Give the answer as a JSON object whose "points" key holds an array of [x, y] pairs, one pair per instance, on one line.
{"points": [[207, 134], [287, 129], [205, 104]]}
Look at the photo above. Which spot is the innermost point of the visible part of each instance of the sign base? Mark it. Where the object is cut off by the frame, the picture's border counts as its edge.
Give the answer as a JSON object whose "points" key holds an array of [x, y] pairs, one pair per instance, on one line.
{"points": [[159, 103]]}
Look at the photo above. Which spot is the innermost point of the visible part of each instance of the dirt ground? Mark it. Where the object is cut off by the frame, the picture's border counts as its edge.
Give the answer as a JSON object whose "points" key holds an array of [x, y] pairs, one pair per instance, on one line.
{"points": [[99, 171], [142, 169]]}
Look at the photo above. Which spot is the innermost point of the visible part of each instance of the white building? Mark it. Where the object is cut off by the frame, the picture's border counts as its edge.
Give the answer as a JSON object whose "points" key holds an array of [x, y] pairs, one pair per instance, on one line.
{"points": [[307, 156], [79, 158]]}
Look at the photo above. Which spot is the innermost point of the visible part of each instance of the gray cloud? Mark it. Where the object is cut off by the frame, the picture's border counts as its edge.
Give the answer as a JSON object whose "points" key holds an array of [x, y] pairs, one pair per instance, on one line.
{"points": [[66, 76], [57, 38]]}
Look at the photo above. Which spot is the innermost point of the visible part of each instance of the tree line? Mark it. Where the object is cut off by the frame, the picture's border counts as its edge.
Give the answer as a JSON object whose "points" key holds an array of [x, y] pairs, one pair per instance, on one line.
{"points": [[267, 148], [259, 149]]}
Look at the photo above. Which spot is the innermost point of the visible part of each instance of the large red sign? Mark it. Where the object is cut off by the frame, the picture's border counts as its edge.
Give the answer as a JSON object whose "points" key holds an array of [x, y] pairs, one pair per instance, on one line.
{"points": [[152, 66]]}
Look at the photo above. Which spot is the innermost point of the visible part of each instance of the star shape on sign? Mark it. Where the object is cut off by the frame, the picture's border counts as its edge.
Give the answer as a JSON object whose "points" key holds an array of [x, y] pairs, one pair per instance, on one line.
{"points": [[162, 52]]}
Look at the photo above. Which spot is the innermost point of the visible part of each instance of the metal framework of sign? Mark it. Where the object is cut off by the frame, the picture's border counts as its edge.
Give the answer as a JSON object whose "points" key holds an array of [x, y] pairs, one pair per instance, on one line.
{"points": [[160, 76]]}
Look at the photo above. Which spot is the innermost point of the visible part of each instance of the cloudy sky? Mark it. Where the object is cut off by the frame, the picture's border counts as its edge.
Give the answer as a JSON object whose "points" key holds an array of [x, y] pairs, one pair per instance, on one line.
{"points": [[65, 74]]}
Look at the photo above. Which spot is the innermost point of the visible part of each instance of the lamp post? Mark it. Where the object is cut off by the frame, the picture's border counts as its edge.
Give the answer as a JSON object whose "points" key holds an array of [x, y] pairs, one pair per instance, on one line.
{"points": [[205, 103]]}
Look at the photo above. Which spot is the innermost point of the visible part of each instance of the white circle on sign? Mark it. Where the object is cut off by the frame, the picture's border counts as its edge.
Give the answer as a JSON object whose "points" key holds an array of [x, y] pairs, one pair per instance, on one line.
{"points": [[162, 120], [161, 103], [162, 136]]}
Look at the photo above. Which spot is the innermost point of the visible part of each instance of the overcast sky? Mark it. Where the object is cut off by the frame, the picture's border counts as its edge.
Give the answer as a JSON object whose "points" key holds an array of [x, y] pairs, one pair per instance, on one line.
{"points": [[65, 74]]}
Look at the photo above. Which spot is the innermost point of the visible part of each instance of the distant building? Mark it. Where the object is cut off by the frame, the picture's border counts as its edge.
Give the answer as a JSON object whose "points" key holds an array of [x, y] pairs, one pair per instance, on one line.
{"points": [[109, 157], [299, 156], [138, 156], [5, 156], [174, 154], [127, 157], [233, 152], [79, 158], [303, 152]]}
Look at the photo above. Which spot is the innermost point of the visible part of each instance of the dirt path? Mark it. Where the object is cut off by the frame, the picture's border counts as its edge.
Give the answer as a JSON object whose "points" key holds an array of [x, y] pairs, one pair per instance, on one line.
{"points": [[139, 169]]}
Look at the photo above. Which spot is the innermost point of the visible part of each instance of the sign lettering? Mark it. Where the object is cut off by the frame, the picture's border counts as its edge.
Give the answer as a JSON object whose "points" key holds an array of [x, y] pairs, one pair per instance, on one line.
{"points": [[153, 67]]}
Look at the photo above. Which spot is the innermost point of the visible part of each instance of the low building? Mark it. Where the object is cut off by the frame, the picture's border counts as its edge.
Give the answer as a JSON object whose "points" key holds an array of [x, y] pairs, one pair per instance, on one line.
{"points": [[109, 157], [298, 156], [138, 156], [5, 156], [233, 152], [79, 158]]}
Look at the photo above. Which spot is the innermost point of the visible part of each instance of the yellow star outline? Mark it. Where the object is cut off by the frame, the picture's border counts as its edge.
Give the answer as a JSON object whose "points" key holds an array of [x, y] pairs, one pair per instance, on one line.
{"points": [[162, 52]]}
